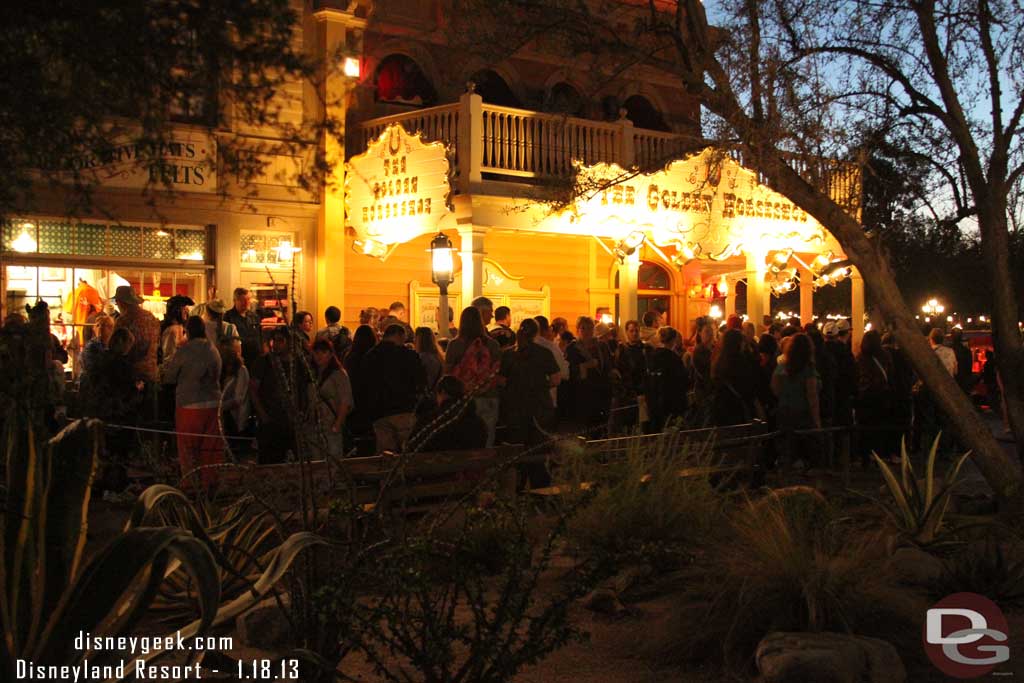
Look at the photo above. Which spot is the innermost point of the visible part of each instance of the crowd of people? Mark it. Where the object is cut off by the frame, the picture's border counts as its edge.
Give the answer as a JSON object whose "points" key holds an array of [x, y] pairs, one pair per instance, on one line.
{"points": [[223, 377]]}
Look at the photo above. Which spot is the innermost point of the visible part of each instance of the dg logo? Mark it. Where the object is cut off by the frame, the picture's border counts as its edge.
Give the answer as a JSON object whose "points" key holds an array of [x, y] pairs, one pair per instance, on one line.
{"points": [[965, 635]]}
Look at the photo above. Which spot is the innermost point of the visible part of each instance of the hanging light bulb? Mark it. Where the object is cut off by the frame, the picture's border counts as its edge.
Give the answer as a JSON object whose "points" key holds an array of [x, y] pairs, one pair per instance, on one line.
{"points": [[821, 262], [780, 260], [723, 286]]}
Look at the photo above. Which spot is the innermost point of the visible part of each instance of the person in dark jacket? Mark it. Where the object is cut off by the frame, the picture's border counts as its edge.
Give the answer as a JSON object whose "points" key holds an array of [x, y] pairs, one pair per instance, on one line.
{"points": [[838, 347], [590, 378], [734, 381], [874, 397], [358, 422], [452, 425], [630, 373], [667, 380], [396, 380]]}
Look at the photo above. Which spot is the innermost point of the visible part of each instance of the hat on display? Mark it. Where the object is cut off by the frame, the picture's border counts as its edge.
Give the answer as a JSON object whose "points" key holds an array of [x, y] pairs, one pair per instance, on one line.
{"points": [[829, 329], [125, 294], [842, 326]]}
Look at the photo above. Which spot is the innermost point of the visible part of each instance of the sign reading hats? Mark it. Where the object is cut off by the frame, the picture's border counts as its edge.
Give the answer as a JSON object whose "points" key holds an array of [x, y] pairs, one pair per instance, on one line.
{"points": [[398, 189]]}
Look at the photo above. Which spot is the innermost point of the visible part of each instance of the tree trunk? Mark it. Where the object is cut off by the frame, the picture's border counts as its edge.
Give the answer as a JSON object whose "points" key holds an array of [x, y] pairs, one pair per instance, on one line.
{"points": [[999, 471], [995, 249]]}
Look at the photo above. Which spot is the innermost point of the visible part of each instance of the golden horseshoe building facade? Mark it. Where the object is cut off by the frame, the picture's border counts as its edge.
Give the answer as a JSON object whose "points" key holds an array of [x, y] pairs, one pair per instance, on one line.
{"points": [[528, 165]]}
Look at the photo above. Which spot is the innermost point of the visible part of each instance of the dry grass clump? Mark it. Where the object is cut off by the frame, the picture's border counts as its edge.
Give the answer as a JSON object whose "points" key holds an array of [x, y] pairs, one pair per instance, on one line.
{"points": [[785, 564]]}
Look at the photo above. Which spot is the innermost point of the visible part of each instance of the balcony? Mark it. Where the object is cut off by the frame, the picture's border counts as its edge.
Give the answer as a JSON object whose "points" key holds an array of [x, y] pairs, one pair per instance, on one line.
{"points": [[494, 143]]}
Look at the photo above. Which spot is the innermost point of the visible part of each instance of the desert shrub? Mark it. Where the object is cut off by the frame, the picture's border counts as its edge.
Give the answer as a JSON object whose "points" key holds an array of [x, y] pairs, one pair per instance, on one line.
{"points": [[636, 506], [431, 608], [784, 565]]}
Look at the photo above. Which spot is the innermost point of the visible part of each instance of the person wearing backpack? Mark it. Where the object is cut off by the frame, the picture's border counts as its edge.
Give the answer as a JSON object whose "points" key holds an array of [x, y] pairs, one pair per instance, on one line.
{"points": [[473, 357]]}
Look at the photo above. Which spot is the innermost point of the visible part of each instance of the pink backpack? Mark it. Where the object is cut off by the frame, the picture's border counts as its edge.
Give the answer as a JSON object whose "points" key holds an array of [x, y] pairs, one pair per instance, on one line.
{"points": [[476, 370]]}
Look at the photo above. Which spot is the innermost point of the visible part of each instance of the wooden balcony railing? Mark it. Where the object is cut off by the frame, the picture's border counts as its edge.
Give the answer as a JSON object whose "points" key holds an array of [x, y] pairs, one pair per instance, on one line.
{"points": [[519, 143]]}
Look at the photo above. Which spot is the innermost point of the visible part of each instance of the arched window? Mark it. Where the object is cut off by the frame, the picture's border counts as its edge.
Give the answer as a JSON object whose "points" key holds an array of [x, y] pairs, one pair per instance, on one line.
{"points": [[493, 89], [653, 276], [400, 80], [642, 113], [564, 99]]}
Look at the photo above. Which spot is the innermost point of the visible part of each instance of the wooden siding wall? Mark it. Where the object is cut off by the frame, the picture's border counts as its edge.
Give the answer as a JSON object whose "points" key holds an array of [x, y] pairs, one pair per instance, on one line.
{"points": [[369, 282], [540, 259], [555, 260]]}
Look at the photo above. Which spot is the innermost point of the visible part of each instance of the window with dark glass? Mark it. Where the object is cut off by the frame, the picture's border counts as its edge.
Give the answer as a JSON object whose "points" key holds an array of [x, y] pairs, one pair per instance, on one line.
{"points": [[400, 80], [493, 89], [642, 113], [652, 276]]}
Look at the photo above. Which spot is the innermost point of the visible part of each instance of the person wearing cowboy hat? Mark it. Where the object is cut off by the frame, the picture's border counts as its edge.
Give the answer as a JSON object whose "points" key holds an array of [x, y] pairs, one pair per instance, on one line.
{"points": [[145, 329], [216, 329]]}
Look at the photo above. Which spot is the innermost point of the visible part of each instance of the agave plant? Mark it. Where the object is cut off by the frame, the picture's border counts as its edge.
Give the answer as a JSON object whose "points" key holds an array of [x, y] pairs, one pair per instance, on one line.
{"points": [[243, 538], [48, 595], [918, 509]]}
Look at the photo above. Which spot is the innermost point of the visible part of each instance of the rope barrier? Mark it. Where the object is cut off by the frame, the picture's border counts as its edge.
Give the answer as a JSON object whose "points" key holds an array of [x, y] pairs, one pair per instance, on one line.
{"points": [[172, 432]]}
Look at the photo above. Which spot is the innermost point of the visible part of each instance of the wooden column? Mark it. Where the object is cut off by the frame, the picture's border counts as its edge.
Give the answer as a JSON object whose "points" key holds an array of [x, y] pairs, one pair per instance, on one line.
{"points": [[806, 297], [338, 32], [856, 309], [628, 274], [472, 254], [757, 290], [470, 141], [730, 300]]}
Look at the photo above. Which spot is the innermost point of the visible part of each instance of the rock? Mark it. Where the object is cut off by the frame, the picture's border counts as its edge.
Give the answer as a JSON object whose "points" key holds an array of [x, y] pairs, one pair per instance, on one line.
{"points": [[604, 601], [265, 626], [827, 658], [916, 567]]}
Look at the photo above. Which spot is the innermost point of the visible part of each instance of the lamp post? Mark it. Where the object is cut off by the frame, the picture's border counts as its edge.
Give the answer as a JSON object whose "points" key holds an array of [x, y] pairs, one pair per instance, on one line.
{"points": [[441, 267], [932, 308]]}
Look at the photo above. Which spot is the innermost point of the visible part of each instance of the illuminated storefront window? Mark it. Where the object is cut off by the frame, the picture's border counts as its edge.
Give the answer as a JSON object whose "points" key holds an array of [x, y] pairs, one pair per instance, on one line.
{"points": [[274, 249]]}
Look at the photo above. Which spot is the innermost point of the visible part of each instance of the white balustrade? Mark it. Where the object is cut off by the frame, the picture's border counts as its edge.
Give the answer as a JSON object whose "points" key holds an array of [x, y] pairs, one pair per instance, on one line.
{"points": [[522, 143]]}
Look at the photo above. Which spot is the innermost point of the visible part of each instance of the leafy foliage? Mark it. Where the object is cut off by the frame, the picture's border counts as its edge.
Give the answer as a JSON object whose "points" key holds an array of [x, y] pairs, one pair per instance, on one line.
{"points": [[918, 512]]}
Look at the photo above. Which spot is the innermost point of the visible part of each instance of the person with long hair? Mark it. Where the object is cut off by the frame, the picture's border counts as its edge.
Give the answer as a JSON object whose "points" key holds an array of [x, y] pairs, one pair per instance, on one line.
{"points": [[431, 356], [172, 327], [195, 372], [332, 396], [363, 340], [473, 358], [529, 371], [236, 405], [304, 325], [795, 383], [874, 406], [733, 381]]}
